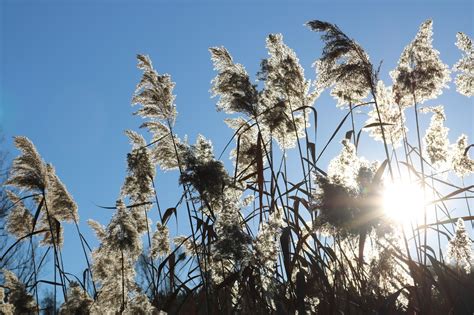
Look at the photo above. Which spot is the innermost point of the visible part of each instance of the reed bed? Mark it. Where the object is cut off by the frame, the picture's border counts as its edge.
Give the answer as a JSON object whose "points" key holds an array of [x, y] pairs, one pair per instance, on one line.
{"points": [[351, 238]]}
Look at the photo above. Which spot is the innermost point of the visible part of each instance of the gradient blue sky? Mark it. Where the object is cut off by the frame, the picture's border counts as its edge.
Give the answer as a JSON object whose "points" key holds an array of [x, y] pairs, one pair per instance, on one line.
{"points": [[68, 72]]}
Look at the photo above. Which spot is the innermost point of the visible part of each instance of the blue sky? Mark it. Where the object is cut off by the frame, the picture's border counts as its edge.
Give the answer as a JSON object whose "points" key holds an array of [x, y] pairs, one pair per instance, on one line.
{"points": [[68, 71]]}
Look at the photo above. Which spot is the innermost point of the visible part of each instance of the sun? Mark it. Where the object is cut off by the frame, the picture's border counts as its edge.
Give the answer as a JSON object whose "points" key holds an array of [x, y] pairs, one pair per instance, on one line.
{"points": [[403, 201]]}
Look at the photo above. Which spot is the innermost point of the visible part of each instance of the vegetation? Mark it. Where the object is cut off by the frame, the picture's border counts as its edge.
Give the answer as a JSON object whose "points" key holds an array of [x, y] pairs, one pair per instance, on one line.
{"points": [[260, 241]]}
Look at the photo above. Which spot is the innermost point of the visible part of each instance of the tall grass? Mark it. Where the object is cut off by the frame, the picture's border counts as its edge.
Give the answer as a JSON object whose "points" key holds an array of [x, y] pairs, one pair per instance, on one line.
{"points": [[261, 240]]}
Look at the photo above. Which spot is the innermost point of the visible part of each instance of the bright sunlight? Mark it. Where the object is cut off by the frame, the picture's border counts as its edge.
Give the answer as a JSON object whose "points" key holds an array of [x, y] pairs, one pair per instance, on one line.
{"points": [[403, 201]]}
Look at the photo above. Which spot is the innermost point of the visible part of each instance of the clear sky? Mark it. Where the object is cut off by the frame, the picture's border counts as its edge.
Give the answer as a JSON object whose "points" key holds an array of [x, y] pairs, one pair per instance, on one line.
{"points": [[68, 71]]}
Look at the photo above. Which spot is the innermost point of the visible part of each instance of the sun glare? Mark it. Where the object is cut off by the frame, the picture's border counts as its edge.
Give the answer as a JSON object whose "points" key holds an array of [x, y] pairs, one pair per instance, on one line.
{"points": [[403, 201]]}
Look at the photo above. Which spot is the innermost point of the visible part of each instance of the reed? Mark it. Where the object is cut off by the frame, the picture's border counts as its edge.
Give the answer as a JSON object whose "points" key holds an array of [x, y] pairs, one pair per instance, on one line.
{"points": [[262, 239]]}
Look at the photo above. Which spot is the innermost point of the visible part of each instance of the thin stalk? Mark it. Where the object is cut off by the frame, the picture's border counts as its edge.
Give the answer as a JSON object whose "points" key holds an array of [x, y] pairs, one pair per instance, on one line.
{"points": [[300, 151], [85, 255], [436, 218], [54, 297], [156, 199], [272, 182], [425, 219], [383, 132], [56, 258], [408, 162], [371, 77], [122, 308], [353, 125], [186, 192], [307, 141], [467, 201], [35, 275], [149, 246]]}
